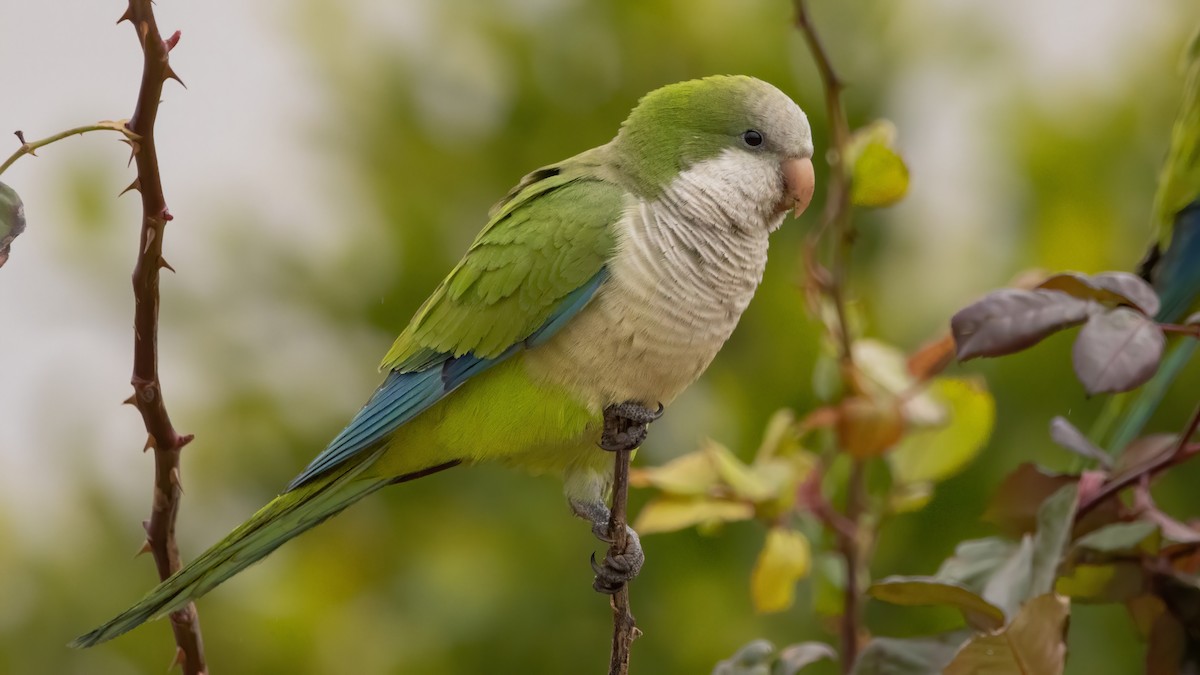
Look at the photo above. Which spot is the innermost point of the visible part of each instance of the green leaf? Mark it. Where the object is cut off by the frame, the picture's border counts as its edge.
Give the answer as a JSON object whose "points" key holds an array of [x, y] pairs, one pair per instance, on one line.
{"points": [[1032, 645], [12, 220], [1055, 519], [912, 591], [1118, 536], [752, 659], [878, 176], [935, 454], [794, 658], [914, 656], [975, 561], [1009, 585], [1118, 582], [670, 513], [829, 585], [785, 559]]}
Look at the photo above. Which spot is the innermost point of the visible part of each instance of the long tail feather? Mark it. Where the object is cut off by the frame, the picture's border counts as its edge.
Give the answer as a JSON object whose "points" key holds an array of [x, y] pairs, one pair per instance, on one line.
{"points": [[285, 517]]}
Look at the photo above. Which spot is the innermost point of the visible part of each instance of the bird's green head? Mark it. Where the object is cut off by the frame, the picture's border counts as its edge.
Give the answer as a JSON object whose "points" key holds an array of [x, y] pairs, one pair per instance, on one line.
{"points": [[741, 121]]}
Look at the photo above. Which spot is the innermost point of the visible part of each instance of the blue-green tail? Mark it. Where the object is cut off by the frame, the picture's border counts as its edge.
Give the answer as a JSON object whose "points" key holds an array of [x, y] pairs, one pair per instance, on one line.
{"points": [[285, 517]]}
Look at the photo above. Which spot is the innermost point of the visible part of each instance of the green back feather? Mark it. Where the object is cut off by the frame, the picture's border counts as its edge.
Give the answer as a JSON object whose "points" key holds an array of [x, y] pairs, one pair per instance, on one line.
{"points": [[547, 238]]}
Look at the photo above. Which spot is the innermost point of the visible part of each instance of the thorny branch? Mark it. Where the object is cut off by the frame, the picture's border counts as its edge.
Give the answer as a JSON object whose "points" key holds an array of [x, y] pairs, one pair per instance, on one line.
{"points": [[31, 147], [1183, 450], [147, 397], [835, 221]]}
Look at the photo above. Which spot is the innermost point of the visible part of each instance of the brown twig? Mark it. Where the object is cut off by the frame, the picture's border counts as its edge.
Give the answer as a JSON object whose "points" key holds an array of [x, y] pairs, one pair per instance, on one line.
{"points": [[1184, 450], [835, 221], [147, 397], [625, 629]]}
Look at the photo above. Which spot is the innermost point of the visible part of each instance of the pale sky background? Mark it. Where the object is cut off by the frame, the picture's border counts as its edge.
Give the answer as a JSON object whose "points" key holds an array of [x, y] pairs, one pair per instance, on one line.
{"points": [[252, 95]]}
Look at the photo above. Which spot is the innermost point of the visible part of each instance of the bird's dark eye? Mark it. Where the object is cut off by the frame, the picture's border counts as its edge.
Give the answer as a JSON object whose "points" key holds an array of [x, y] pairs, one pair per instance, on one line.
{"points": [[752, 138]]}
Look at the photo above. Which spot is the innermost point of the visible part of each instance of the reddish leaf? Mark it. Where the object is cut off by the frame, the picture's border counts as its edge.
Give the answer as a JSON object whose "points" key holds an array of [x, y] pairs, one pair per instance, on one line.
{"points": [[1117, 351], [1015, 504], [868, 427], [1010, 320]]}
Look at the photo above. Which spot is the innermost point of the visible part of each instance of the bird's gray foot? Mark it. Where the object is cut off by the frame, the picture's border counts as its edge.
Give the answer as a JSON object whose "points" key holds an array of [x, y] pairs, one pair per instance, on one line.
{"points": [[618, 567], [626, 425]]}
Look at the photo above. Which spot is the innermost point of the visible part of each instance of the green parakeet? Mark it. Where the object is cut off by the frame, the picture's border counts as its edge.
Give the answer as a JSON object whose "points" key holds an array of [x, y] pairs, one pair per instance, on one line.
{"points": [[605, 281], [1173, 262]]}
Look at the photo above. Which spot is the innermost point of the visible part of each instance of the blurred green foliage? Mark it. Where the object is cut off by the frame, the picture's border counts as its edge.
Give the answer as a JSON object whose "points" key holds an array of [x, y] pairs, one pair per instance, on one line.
{"points": [[484, 570]]}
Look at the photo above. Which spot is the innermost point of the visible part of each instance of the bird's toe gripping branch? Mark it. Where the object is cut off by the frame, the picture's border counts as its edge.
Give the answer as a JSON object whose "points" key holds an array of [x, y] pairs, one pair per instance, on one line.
{"points": [[626, 425], [618, 567]]}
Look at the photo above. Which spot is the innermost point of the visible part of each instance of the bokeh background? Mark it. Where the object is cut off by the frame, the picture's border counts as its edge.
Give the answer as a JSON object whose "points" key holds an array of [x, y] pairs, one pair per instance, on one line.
{"points": [[329, 161]]}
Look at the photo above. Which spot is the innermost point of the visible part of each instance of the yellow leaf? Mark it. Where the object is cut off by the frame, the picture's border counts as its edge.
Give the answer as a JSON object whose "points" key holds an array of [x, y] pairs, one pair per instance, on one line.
{"points": [[671, 513], [935, 454], [690, 474], [878, 176], [785, 559], [741, 480]]}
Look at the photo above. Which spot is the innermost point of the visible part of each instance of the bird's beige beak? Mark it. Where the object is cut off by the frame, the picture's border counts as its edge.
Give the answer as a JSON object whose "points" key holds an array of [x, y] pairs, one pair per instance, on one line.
{"points": [[801, 183]]}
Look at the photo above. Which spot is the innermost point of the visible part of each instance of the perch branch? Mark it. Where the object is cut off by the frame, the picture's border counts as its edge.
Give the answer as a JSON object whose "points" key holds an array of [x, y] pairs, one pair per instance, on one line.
{"points": [[625, 629], [147, 390]]}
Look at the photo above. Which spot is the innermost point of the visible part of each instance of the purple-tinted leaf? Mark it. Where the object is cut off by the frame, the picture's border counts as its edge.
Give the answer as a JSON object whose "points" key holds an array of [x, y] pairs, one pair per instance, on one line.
{"points": [[1144, 453], [1131, 287], [12, 219], [1117, 350], [1068, 436], [1110, 288], [1010, 320]]}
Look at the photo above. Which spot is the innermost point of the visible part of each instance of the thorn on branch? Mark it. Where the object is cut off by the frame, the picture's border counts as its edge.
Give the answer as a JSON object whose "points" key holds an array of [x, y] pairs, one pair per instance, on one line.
{"points": [[132, 400], [162, 262], [135, 185], [127, 15], [172, 41], [20, 136], [169, 74], [150, 443], [183, 440], [146, 548]]}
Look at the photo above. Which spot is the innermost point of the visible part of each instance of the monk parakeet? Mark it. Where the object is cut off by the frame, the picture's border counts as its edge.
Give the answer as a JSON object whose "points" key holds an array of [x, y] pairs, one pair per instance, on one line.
{"points": [[607, 281], [1173, 262]]}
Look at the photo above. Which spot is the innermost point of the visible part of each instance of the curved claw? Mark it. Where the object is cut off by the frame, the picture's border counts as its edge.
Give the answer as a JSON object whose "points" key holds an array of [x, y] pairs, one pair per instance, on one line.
{"points": [[626, 425], [619, 568]]}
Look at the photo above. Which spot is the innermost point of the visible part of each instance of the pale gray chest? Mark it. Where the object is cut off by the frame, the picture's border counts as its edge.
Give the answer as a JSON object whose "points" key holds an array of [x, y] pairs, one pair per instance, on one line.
{"points": [[676, 290]]}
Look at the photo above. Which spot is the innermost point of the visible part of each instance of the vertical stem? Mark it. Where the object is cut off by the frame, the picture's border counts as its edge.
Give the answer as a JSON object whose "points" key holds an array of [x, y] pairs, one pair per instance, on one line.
{"points": [[835, 221], [147, 397], [624, 626]]}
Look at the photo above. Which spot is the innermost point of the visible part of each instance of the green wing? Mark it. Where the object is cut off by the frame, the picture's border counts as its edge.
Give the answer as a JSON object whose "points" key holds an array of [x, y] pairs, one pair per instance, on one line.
{"points": [[1179, 181], [549, 237]]}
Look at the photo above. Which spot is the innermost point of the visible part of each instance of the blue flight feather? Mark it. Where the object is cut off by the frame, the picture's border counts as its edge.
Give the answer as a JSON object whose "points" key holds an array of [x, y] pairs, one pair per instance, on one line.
{"points": [[1177, 275], [403, 396]]}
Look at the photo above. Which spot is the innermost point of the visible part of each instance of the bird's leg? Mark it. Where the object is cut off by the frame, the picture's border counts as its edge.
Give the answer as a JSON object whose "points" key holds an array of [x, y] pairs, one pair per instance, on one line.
{"points": [[626, 425], [616, 569]]}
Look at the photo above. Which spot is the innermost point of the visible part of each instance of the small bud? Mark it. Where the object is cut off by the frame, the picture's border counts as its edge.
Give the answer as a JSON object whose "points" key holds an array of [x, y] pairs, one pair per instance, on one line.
{"points": [[172, 41]]}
